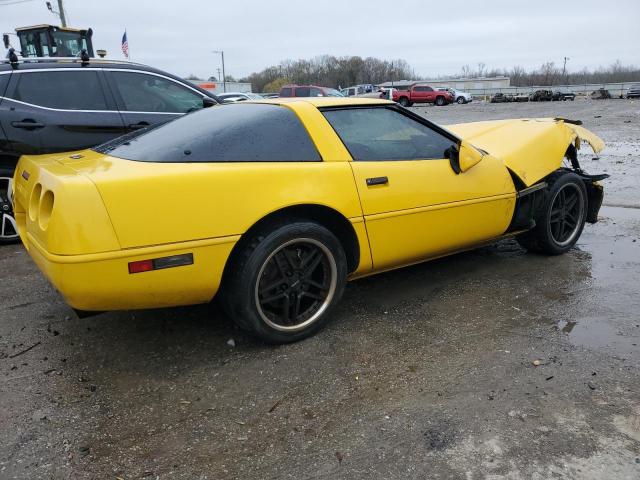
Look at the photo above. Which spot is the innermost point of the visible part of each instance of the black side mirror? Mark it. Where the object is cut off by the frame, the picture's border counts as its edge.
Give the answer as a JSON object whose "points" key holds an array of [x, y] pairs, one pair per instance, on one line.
{"points": [[208, 102], [5, 40], [454, 158]]}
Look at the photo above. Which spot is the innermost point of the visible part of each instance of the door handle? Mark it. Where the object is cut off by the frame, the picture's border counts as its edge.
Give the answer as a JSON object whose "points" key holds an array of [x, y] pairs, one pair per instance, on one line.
{"points": [[139, 125], [27, 124], [377, 181]]}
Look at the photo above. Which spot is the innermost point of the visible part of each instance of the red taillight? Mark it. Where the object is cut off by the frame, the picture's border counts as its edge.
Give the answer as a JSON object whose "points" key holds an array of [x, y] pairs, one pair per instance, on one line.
{"points": [[161, 263], [141, 266]]}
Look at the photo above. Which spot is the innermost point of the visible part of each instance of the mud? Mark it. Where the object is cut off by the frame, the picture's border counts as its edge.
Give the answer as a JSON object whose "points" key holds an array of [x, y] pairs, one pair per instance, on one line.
{"points": [[425, 372]]}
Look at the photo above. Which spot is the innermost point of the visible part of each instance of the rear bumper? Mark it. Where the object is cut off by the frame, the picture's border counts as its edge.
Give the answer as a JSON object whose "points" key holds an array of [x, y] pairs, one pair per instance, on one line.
{"points": [[102, 282]]}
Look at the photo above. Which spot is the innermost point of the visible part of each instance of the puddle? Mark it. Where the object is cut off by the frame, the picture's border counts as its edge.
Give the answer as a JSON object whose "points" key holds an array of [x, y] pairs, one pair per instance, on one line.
{"points": [[597, 333]]}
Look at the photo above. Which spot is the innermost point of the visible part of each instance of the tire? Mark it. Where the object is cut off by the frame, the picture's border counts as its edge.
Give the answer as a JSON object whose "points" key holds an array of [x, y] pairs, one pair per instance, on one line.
{"points": [[296, 269], [440, 101], [461, 101], [8, 227], [404, 101], [565, 206]]}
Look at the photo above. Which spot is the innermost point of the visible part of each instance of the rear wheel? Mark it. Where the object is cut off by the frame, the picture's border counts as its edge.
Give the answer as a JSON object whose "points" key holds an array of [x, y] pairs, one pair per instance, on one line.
{"points": [[404, 101], [560, 223], [8, 227], [283, 284], [439, 101]]}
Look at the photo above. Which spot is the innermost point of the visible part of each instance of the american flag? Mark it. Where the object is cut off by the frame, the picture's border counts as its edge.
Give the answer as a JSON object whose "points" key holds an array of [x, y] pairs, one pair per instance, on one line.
{"points": [[125, 45]]}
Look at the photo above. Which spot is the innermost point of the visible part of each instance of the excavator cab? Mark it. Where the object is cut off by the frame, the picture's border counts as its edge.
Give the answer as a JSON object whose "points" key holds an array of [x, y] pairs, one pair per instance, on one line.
{"points": [[52, 41]]}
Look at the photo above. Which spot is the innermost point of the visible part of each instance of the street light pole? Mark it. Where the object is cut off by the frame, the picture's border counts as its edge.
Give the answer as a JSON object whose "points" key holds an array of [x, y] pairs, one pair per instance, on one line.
{"points": [[224, 77], [63, 18]]}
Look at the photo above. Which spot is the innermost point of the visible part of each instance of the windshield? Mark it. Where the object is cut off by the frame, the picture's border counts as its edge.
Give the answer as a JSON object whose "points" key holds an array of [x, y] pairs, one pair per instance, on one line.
{"points": [[68, 44], [333, 93]]}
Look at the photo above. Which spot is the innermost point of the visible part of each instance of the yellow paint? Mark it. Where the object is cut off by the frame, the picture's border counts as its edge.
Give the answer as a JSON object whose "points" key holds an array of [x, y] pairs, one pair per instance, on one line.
{"points": [[106, 212], [531, 148]]}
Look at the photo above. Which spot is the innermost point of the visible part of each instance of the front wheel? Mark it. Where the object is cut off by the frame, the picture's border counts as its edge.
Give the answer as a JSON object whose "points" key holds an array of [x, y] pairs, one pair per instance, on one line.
{"points": [[560, 222], [8, 227], [404, 101], [461, 100], [283, 284]]}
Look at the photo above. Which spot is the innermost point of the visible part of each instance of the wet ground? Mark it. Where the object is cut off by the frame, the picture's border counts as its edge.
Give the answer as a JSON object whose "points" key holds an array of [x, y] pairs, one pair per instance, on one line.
{"points": [[493, 364]]}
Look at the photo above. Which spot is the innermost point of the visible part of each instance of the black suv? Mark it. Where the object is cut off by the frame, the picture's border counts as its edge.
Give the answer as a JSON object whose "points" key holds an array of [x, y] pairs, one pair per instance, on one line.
{"points": [[56, 105]]}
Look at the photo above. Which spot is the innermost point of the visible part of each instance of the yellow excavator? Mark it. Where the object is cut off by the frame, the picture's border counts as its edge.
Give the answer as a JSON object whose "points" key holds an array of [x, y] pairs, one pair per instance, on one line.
{"points": [[51, 41]]}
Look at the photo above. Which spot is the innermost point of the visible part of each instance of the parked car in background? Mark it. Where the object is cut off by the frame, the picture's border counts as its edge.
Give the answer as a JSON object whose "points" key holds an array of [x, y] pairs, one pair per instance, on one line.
{"points": [[520, 97], [58, 105], [499, 98], [421, 94], [634, 91], [600, 94], [459, 96], [358, 90], [541, 96], [557, 96], [308, 91], [238, 96]]}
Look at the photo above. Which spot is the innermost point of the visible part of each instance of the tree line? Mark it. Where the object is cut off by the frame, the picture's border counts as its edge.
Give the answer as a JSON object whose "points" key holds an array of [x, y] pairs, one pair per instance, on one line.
{"points": [[331, 71]]}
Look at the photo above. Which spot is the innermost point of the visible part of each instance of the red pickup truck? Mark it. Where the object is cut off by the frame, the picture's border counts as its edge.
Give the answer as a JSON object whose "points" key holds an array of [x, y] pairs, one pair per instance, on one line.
{"points": [[421, 94]]}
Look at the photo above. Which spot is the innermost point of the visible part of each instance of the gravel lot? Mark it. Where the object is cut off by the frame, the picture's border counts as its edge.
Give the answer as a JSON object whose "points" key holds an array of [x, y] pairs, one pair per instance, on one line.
{"points": [[426, 372]]}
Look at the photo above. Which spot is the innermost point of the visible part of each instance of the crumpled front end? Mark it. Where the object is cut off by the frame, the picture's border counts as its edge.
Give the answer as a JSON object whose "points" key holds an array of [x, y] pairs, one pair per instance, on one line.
{"points": [[530, 148]]}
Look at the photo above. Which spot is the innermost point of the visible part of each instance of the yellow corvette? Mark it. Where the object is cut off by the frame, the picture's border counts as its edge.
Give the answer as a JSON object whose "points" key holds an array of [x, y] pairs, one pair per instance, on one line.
{"points": [[274, 205]]}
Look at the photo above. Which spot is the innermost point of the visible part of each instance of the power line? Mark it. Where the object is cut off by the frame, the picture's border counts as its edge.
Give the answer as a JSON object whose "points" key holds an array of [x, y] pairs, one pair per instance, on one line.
{"points": [[13, 2]]}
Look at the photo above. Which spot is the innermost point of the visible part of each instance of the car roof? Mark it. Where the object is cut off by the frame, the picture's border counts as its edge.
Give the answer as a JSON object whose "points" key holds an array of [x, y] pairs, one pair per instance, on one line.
{"points": [[26, 64], [320, 102]]}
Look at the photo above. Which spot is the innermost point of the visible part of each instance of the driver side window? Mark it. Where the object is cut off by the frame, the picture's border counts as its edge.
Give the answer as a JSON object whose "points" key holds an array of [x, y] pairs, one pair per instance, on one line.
{"points": [[379, 133], [141, 92]]}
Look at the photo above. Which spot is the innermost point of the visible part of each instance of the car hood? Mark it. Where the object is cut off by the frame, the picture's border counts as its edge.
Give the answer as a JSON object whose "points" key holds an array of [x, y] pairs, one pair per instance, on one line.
{"points": [[531, 148]]}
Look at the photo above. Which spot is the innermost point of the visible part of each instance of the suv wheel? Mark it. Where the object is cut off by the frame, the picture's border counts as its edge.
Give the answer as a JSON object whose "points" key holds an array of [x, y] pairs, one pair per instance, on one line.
{"points": [[462, 100], [440, 101], [8, 227]]}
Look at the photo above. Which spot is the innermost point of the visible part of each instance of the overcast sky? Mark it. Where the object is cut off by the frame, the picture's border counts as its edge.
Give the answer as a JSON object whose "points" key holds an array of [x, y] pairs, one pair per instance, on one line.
{"points": [[436, 38]]}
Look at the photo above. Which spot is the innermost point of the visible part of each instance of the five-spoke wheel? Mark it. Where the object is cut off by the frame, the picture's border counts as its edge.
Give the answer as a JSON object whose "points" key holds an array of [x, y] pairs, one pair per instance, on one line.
{"points": [[283, 281], [561, 220], [8, 227]]}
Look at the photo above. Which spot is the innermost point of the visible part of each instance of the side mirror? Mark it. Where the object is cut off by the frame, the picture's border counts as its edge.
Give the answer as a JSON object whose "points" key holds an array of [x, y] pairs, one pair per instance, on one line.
{"points": [[463, 157], [5, 40], [208, 102]]}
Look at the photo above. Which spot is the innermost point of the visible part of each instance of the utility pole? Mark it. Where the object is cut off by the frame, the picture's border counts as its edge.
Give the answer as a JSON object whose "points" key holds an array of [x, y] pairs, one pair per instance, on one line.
{"points": [[63, 19], [564, 68], [224, 77]]}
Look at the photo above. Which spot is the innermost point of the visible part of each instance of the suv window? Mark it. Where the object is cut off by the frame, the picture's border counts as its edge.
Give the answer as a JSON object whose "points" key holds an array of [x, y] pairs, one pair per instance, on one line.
{"points": [[241, 132], [302, 91], [372, 134], [316, 92], [72, 90], [285, 92], [143, 92], [4, 81]]}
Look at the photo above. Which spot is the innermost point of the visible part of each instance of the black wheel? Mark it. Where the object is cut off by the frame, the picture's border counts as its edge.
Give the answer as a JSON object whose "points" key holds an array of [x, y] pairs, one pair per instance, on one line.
{"points": [[404, 101], [439, 101], [461, 100], [284, 282], [8, 228], [561, 220]]}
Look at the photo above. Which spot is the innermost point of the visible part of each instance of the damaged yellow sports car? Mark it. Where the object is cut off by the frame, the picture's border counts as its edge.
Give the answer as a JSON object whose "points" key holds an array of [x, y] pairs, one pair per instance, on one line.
{"points": [[272, 206]]}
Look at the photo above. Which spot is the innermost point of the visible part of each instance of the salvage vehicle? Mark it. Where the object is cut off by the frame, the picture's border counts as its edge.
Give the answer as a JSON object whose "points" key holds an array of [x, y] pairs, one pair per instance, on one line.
{"points": [[557, 96], [422, 94], [238, 96], [459, 96], [541, 96], [499, 98], [634, 91], [271, 206], [50, 105], [600, 94]]}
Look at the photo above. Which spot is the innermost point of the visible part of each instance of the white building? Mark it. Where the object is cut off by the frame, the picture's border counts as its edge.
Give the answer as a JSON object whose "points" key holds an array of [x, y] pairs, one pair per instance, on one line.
{"points": [[219, 87], [481, 83]]}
